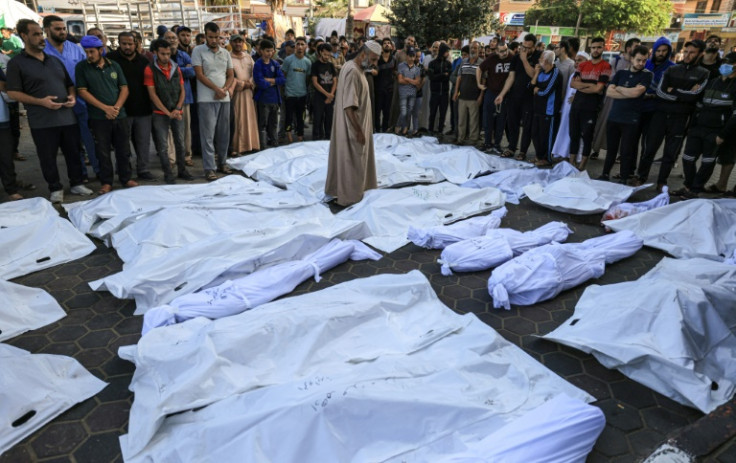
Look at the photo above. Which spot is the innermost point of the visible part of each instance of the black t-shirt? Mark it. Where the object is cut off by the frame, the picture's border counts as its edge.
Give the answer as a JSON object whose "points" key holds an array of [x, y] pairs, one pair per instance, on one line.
{"points": [[40, 79], [384, 80], [498, 70], [521, 88], [325, 74], [468, 83], [714, 68], [138, 102], [628, 110]]}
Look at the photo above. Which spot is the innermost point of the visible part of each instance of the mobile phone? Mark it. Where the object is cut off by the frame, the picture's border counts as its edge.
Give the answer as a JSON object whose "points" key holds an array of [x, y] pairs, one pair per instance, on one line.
{"points": [[62, 100]]}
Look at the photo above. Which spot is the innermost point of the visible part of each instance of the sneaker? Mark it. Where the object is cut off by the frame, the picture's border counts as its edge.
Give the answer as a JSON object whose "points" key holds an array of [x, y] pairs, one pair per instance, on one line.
{"points": [[146, 176], [80, 190], [57, 197], [186, 175], [603, 177], [594, 155], [494, 151]]}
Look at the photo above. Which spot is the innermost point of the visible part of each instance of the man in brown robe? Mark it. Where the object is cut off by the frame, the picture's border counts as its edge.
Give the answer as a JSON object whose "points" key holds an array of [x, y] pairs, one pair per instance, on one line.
{"points": [[351, 168]]}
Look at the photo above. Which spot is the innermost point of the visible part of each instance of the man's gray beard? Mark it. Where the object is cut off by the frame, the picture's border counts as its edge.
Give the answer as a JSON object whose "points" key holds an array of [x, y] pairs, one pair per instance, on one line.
{"points": [[473, 56], [366, 63]]}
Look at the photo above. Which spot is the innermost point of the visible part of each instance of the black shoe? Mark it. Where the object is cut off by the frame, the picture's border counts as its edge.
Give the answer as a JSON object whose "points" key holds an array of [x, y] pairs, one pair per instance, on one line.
{"points": [[603, 177], [146, 176], [657, 161], [186, 176], [593, 155], [171, 180]]}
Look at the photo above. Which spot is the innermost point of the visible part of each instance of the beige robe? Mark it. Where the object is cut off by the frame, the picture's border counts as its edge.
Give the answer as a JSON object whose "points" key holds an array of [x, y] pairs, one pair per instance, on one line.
{"points": [[245, 135], [351, 167]]}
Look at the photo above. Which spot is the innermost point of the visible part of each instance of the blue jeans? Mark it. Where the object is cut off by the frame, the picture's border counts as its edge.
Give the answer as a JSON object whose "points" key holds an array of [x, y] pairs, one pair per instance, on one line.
{"points": [[80, 110], [406, 109], [161, 126], [214, 132]]}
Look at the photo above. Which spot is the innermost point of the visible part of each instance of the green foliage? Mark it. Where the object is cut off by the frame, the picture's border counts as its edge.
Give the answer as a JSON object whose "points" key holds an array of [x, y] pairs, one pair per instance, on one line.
{"points": [[600, 16], [430, 20], [330, 8]]}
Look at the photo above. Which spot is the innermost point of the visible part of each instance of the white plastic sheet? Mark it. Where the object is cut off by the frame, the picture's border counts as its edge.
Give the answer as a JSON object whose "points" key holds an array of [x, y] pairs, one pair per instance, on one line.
{"points": [[562, 429], [544, 272], [513, 181], [24, 309], [389, 213], [302, 167], [33, 237], [497, 247], [261, 286], [671, 330], [622, 210], [367, 370], [580, 195], [38, 387], [443, 235], [695, 228]]}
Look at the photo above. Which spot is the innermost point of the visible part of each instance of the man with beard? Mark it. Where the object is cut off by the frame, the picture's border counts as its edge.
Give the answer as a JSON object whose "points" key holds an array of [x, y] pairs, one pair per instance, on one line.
{"points": [[439, 85], [627, 89], [213, 66], [70, 54], [498, 66], [102, 84], [711, 59], [138, 104], [469, 97], [520, 107], [41, 83], [384, 86], [184, 35], [351, 167], [191, 124], [590, 81], [677, 93]]}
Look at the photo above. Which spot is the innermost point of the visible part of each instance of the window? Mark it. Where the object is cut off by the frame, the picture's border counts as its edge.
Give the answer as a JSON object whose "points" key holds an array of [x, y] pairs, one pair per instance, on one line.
{"points": [[701, 6], [715, 6]]}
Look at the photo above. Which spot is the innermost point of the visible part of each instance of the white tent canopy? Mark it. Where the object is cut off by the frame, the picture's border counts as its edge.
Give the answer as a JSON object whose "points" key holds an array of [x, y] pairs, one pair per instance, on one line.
{"points": [[375, 369], [671, 330], [11, 11]]}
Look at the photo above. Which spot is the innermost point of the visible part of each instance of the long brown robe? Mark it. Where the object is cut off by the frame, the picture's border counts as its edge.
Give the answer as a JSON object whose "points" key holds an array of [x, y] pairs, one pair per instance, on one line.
{"points": [[351, 168], [245, 135]]}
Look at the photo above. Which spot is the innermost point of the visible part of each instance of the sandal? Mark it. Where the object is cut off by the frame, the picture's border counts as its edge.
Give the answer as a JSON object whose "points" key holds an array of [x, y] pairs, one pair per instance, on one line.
{"points": [[225, 170], [210, 176], [189, 162], [541, 163], [105, 189], [18, 157], [507, 154], [520, 157], [15, 197], [714, 189]]}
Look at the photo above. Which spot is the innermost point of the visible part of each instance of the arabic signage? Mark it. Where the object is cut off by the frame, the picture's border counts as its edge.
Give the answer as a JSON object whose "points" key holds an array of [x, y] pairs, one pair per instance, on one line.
{"points": [[698, 21]]}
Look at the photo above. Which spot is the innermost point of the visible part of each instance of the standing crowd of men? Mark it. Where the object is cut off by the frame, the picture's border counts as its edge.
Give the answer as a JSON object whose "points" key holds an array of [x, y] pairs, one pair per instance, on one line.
{"points": [[217, 99]]}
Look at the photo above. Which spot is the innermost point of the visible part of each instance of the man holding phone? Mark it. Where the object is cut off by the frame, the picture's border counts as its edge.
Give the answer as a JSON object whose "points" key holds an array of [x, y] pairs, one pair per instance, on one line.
{"points": [[43, 85]]}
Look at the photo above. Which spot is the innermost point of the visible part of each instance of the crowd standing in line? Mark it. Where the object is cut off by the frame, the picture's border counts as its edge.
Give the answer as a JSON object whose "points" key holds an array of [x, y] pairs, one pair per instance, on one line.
{"points": [[216, 95]]}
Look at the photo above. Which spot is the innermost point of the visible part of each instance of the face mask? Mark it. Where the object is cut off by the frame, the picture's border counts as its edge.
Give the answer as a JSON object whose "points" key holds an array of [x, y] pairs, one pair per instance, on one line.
{"points": [[726, 69]]}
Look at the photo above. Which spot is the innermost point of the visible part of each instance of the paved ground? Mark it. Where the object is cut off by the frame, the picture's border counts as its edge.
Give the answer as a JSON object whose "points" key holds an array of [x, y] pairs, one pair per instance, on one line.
{"points": [[97, 324]]}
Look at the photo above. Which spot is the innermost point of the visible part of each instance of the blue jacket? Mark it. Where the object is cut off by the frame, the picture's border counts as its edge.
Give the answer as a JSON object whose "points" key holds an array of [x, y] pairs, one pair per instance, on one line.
{"points": [[648, 104], [265, 92], [183, 60]]}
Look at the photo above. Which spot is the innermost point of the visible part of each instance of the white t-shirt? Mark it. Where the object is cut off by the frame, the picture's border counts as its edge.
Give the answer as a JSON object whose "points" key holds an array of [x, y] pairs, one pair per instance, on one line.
{"points": [[214, 66]]}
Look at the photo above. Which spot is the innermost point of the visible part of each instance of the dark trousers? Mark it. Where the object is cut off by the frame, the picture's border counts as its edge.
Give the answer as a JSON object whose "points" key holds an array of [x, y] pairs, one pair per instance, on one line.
{"points": [[7, 167], [520, 114], [15, 124], [139, 128], [194, 128], [582, 125], [383, 110], [670, 128], [543, 133], [623, 137], [322, 117], [268, 115], [438, 101], [109, 134], [700, 140], [161, 126], [644, 122], [495, 121], [48, 141], [295, 114]]}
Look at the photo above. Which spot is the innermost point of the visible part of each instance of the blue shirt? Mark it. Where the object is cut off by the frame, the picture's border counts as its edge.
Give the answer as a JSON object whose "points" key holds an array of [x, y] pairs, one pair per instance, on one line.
{"points": [[297, 71], [265, 92], [183, 60], [70, 55]]}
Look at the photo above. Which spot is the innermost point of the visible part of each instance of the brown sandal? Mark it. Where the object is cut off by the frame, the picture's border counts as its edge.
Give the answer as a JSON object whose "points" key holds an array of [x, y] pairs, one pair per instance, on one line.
{"points": [[507, 154], [520, 157], [104, 189]]}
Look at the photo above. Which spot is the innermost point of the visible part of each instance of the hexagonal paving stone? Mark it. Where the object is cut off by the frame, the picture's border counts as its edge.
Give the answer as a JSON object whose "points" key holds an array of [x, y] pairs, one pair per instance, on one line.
{"points": [[63, 282], [97, 339], [456, 291], [620, 416], [663, 420], [99, 447], [129, 326], [82, 300], [67, 333], [611, 442], [520, 326], [643, 442], [592, 386], [57, 439], [108, 417], [562, 363], [633, 393]]}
